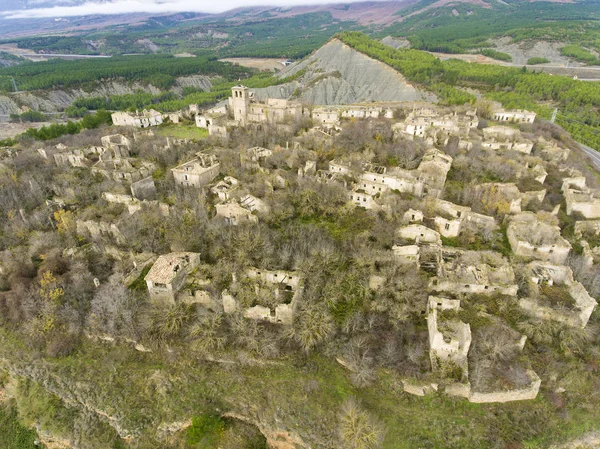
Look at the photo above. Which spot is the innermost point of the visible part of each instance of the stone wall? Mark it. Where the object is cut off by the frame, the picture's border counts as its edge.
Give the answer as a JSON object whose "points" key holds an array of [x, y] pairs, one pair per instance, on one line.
{"points": [[522, 394]]}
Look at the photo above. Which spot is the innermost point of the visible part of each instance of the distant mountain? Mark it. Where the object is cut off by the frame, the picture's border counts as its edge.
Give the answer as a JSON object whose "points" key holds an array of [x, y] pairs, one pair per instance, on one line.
{"points": [[364, 13], [446, 26]]}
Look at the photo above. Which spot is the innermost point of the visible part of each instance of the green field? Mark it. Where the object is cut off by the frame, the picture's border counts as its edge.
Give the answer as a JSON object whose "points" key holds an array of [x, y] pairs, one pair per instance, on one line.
{"points": [[182, 131]]}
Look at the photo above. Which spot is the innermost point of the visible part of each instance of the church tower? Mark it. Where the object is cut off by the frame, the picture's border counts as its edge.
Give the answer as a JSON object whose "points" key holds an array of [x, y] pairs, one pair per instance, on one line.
{"points": [[240, 102]]}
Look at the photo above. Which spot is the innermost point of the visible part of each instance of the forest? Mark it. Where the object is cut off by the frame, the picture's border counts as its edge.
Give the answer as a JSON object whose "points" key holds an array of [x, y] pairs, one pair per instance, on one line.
{"points": [[157, 70]]}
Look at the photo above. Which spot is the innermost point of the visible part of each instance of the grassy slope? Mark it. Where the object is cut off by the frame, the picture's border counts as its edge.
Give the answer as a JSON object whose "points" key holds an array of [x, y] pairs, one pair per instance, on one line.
{"points": [[306, 393]]}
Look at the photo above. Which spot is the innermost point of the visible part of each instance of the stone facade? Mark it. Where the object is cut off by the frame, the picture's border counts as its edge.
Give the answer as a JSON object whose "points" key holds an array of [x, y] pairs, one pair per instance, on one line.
{"points": [[143, 119], [197, 172], [516, 116]]}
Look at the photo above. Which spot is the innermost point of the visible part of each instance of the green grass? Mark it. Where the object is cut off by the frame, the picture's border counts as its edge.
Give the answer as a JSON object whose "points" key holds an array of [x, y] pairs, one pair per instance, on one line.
{"points": [[139, 284], [182, 131], [13, 435]]}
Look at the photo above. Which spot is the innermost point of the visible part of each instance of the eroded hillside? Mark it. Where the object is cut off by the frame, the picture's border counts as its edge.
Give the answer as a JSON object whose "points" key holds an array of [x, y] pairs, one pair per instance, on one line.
{"points": [[338, 74]]}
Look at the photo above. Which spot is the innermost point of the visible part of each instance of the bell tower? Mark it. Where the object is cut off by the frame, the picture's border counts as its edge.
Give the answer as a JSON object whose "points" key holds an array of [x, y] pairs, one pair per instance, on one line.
{"points": [[240, 102]]}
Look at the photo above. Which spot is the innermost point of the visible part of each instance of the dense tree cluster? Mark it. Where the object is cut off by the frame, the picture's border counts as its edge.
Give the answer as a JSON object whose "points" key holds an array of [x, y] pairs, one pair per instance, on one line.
{"points": [[58, 129], [157, 70]]}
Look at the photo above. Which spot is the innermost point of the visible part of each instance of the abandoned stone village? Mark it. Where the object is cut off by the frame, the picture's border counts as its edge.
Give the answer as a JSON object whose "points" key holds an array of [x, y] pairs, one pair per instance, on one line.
{"points": [[443, 235]]}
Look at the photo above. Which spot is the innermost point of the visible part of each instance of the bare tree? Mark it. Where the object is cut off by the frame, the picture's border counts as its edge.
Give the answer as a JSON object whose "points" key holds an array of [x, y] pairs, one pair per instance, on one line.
{"points": [[358, 429]]}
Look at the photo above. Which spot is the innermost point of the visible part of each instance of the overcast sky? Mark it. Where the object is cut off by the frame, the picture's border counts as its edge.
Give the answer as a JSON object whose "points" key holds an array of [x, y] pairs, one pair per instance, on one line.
{"points": [[151, 6]]}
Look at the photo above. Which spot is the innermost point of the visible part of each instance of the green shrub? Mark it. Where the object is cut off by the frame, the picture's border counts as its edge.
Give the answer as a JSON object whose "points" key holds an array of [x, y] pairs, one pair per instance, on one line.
{"points": [[206, 430], [537, 60], [500, 56], [29, 116], [14, 435], [579, 53]]}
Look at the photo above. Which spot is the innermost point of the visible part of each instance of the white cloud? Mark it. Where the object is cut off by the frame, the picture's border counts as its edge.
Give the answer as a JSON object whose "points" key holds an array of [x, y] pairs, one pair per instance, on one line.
{"points": [[150, 6]]}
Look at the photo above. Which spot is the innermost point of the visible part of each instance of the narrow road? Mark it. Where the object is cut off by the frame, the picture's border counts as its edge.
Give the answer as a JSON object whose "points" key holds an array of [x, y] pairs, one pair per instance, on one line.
{"points": [[593, 154]]}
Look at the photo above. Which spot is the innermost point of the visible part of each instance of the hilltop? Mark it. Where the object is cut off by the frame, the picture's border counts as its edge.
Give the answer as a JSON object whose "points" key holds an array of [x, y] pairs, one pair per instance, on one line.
{"points": [[338, 74]]}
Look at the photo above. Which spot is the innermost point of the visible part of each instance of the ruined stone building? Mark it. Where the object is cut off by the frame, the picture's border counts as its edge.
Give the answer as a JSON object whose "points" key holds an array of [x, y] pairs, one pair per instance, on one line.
{"points": [[580, 198], [531, 238], [433, 170], [516, 116], [169, 273], [357, 111], [224, 188], [337, 166], [380, 180], [75, 158], [361, 199], [426, 122], [419, 234], [551, 152], [234, 214], [553, 294], [118, 145], [474, 272], [144, 189], [253, 203], [449, 338], [505, 138], [133, 204], [246, 109], [197, 172], [128, 170], [253, 158], [285, 286], [451, 219], [143, 119], [326, 116], [99, 229]]}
